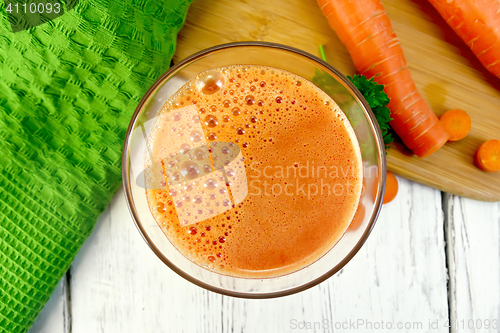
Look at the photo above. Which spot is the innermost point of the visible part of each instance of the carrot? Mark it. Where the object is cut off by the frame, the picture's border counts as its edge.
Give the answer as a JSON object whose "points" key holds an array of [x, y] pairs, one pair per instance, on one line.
{"points": [[488, 156], [364, 28], [477, 23], [457, 123], [391, 187]]}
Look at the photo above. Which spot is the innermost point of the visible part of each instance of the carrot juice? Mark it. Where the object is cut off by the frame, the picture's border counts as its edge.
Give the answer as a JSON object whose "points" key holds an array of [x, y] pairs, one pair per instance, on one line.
{"points": [[262, 171]]}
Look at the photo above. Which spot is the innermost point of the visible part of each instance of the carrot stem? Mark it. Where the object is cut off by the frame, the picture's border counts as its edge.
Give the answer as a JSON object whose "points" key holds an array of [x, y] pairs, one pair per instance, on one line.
{"points": [[322, 53]]}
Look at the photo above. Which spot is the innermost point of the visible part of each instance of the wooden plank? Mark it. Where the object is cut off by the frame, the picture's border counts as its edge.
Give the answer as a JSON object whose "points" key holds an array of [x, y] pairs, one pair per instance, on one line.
{"points": [[400, 275], [474, 262], [446, 72], [118, 285], [55, 316]]}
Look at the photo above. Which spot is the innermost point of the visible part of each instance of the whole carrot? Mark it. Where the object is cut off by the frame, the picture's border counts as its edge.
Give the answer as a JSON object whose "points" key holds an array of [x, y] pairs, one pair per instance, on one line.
{"points": [[477, 22], [365, 30]]}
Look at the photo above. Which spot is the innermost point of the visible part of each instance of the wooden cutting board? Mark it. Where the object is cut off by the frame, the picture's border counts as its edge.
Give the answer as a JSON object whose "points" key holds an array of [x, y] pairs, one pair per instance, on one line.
{"points": [[446, 72]]}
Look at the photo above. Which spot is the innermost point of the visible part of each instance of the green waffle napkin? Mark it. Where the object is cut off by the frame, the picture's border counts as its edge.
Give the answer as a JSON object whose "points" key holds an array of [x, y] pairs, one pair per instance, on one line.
{"points": [[68, 89]]}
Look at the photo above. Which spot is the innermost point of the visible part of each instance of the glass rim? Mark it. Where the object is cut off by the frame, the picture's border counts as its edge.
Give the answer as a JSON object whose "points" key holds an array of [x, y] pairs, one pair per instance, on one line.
{"points": [[343, 80]]}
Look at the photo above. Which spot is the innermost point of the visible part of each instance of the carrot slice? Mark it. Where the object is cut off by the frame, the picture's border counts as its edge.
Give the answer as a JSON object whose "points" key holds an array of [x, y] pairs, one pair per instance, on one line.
{"points": [[457, 123], [358, 218], [488, 156], [391, 187], [366, 31]]}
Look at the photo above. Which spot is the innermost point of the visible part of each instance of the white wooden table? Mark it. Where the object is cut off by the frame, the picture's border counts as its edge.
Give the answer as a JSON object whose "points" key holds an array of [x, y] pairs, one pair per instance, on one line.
{"points": [[431, 258]]}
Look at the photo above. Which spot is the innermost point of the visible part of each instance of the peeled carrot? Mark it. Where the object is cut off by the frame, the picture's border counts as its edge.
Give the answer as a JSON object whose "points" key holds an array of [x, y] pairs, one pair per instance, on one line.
{"points": [[456, 123], [365, 30], [391, 187], [488, 156], [477, 22]]}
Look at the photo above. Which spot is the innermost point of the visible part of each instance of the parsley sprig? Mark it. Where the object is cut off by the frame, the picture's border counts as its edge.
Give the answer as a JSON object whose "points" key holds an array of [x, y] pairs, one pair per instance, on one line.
{"points": [[377, 100]]}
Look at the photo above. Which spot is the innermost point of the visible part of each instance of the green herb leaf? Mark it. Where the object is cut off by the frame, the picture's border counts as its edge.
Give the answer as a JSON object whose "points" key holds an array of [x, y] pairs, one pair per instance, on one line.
{"points": [[378, 100]]}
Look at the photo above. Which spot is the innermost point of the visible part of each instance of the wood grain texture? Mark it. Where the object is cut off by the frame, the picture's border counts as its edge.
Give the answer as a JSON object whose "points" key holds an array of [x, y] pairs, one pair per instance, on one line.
{"points": [[118, 284], [55, 316], [445, 70], [474, 263]]}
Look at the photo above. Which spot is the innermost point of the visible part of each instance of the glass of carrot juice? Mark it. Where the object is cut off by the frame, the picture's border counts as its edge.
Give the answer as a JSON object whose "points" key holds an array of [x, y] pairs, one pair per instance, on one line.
{"points": [[254, 169]]}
